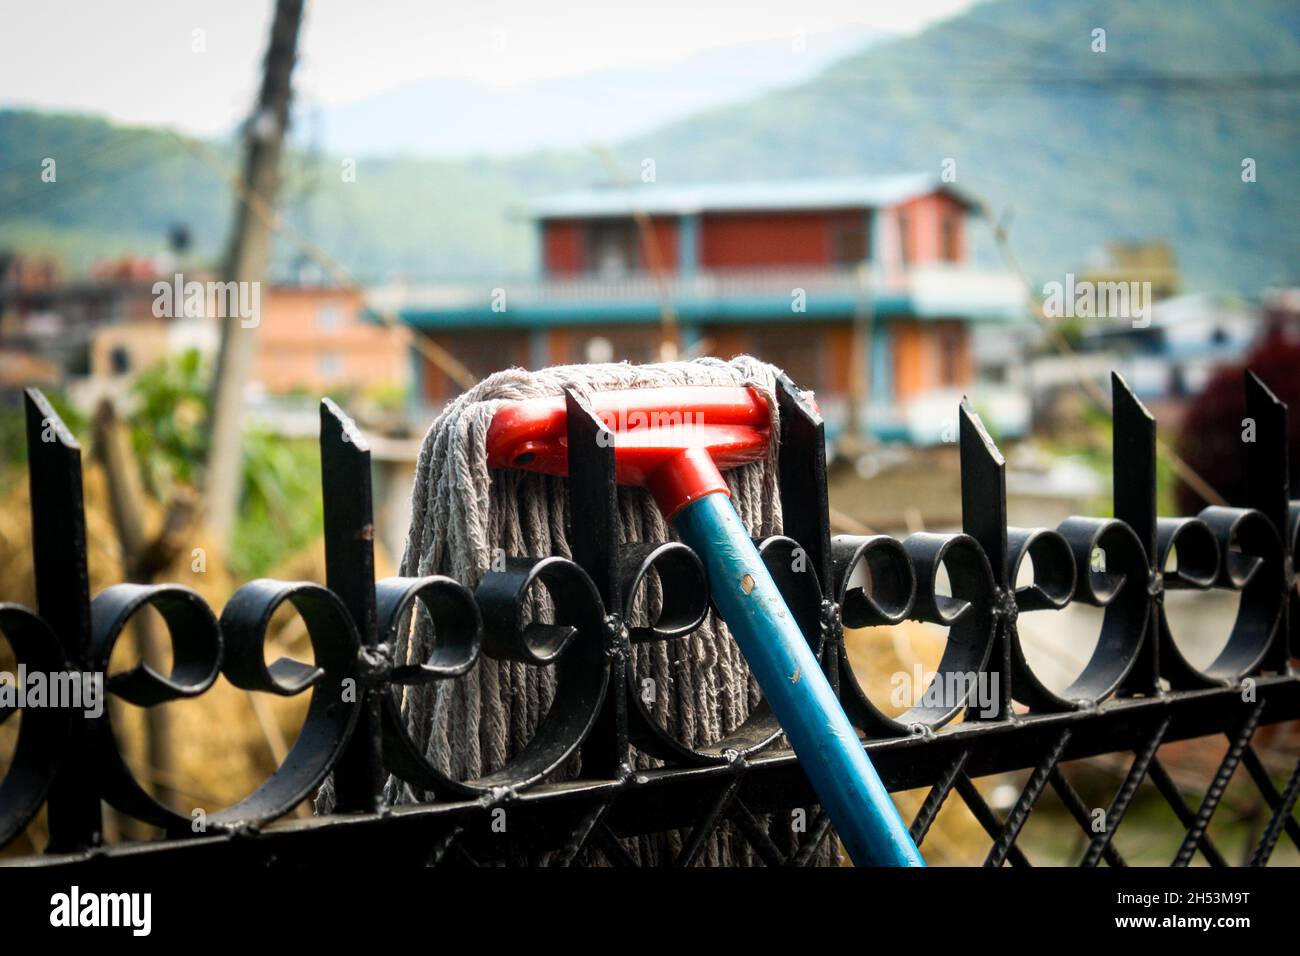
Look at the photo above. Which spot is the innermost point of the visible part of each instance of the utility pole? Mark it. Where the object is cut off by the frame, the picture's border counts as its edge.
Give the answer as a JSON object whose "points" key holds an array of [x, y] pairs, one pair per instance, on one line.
{"points": [[248, 260]]}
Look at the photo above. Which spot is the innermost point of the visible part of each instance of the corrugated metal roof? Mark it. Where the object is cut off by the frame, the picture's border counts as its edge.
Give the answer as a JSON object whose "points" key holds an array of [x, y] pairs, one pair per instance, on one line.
{"points": [[658, 199]]}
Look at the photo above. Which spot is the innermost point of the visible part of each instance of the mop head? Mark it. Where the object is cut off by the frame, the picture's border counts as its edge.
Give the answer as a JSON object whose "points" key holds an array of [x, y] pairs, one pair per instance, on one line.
{"points": [[465, 514]]}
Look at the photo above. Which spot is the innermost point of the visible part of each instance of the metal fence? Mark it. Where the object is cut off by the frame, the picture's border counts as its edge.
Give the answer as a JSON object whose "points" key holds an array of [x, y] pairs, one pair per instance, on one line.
{"points": [[1136, 693]]}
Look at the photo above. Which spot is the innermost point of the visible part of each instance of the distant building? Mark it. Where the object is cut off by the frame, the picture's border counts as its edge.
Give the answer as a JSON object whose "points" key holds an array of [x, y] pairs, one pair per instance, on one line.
{"points": [[99, 332], [316, 338], [310, 339], [1187, 339], [860, 288], [1152, 262], [56, 320]]}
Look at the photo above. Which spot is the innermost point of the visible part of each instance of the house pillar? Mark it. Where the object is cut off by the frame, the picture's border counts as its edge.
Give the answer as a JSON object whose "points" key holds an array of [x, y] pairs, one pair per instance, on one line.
{"points": [[688, 244], [882, 363], [690, 336], [539, 348], [880, 240]]}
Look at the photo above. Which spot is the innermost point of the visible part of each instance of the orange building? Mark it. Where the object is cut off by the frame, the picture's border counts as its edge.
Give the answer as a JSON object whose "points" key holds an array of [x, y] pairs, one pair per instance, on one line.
{"points": [[130, 314], [318, 338]]}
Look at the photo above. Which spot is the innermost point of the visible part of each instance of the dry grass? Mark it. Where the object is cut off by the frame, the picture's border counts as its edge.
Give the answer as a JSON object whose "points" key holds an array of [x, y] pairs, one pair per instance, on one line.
{"points": [[226, 742]]}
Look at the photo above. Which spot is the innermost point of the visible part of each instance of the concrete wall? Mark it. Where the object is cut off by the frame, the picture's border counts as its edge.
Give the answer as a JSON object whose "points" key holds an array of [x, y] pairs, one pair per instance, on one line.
{"points": [[316, 338]]}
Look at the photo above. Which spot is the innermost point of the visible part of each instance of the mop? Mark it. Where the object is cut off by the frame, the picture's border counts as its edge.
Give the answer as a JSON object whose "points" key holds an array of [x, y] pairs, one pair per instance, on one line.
{"points": [[466, 515]]}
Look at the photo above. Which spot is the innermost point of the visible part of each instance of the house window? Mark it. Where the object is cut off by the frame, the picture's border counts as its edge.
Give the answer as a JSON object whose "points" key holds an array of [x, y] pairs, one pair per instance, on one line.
{"points": [[483, 353], [612, 247], [951, 340], [330, 365], [948, 238], [120, 360], [849, 242], [329, 317], [796, 350], [636, 345], [904, 237]]}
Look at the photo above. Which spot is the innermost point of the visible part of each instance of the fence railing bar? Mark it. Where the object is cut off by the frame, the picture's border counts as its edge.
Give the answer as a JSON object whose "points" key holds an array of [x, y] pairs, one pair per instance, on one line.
{"points": [[439, 851], [582, 832], [690, 851], [1077, 809], [1025, 804], [755, 834], [1281, 817], [1218, 785], [986, 818], [934, 800], [1259, 773], [1137, 772], [1169, 790], [614, 852], [817, 834]]}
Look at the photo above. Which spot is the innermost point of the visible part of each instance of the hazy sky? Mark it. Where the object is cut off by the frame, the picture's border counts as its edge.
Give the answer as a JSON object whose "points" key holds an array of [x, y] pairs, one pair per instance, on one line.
{"points": [[135, 60]]}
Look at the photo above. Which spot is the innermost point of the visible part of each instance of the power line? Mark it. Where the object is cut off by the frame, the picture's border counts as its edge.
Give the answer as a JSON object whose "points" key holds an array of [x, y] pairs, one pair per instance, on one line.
{"points": [[456, 370]]}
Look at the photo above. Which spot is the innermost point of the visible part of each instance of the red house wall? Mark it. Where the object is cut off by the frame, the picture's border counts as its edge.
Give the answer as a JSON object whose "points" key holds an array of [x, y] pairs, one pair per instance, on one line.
{"points": [[925, 216], [766, 239], [481, 352], [665, 233], [738, 240], [563, 247], [919, 362]]}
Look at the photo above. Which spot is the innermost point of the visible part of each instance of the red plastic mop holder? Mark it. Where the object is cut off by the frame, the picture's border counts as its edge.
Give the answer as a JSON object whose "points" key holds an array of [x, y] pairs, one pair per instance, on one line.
{"points": [[674, 441]]}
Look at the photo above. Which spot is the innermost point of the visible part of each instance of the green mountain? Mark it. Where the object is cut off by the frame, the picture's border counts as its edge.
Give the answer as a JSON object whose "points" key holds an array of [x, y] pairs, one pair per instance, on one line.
{"points": [[1072, 146], [119, 189], [1142, 141]]}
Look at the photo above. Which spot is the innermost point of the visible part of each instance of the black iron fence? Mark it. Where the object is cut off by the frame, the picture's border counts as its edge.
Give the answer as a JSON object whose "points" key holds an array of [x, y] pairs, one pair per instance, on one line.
{"points": [[1137, 692]]}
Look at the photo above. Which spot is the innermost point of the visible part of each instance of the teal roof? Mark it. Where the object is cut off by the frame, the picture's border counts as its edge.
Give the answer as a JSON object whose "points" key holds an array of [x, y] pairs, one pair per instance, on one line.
{"points": [[657, 199]]}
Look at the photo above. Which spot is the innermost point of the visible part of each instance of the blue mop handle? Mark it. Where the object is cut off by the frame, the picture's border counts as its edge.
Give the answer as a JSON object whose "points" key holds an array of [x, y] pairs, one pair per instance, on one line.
{"points": [[826, 744]]}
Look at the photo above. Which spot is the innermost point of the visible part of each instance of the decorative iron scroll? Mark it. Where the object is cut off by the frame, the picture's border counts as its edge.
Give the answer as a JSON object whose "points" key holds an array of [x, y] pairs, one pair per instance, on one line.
{"points": [[1137, 690]]}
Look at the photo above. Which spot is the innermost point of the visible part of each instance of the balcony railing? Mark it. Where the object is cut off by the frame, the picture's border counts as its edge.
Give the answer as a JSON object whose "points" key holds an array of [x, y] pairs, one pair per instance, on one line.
{"points": [[932, 289]]}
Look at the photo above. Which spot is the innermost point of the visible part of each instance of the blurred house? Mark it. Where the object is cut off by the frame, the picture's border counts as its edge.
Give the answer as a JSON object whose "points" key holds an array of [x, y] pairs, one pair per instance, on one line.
{"points": [[860, 288], [18, 370], [1167, 353], [1188, 338], [316, 338], [45, 317], [1150, 261], [1282, 314], [94, 334]]}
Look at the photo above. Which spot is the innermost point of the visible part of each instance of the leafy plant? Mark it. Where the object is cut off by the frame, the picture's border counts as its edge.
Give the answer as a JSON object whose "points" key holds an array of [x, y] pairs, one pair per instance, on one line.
{"points": [[280, 509], [167, 430]]}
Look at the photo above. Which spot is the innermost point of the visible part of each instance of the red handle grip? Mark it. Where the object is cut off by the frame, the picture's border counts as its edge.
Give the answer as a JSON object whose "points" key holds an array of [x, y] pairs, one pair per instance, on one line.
{"points": [[673, 441]]}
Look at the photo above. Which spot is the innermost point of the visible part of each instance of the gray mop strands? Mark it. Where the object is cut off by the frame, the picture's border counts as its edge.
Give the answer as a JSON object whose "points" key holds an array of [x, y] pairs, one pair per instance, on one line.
{"points": [[465, 514]]}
